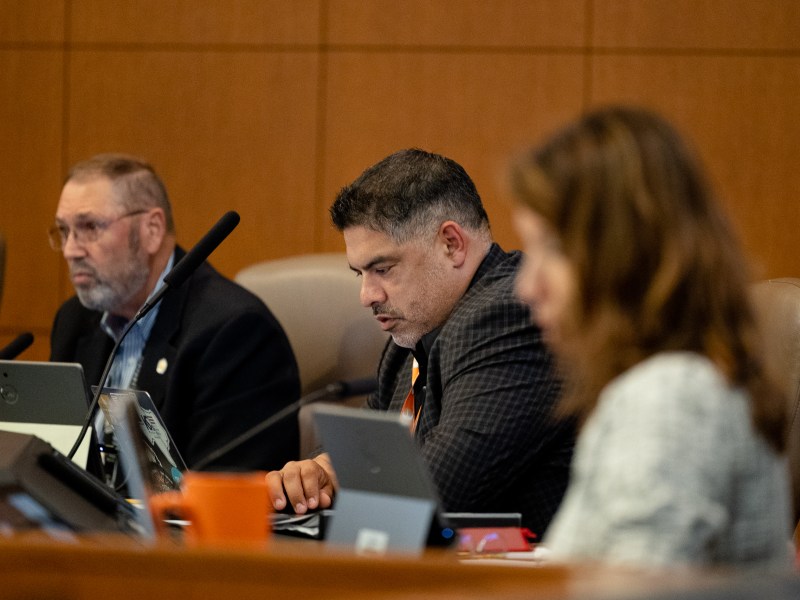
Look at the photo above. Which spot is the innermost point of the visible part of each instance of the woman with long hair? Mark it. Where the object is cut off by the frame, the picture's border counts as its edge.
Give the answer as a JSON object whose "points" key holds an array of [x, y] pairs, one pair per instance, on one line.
{"points": [[637, 279]]}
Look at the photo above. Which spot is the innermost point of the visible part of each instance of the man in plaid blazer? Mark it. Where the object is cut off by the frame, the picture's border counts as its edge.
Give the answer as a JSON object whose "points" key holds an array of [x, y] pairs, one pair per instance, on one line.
{"points": [[417, 234]]}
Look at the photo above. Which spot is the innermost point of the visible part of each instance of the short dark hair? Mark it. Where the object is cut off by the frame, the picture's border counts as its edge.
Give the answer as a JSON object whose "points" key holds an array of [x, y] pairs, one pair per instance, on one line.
{"points": [[137, 182], [407, 194]]}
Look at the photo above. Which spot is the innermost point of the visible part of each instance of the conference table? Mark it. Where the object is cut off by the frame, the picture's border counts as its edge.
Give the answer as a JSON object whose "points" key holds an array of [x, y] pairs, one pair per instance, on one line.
{"points": [[36, 565]]}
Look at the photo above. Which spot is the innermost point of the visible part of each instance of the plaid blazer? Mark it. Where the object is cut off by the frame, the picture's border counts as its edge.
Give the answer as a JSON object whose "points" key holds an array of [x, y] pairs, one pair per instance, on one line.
{"points": [[486, 430]]}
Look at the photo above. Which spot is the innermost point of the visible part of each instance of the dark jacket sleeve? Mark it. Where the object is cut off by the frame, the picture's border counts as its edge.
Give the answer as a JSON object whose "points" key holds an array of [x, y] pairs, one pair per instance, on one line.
{"points": [[244, 372]]}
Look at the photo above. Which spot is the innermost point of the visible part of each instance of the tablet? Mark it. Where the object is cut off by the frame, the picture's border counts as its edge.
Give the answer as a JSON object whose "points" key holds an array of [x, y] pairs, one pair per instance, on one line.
{"points": [[386, 500]]}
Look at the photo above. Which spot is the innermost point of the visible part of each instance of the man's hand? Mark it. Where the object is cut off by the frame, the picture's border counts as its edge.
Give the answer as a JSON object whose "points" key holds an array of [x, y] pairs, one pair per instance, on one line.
{"points": [[305, 484]]}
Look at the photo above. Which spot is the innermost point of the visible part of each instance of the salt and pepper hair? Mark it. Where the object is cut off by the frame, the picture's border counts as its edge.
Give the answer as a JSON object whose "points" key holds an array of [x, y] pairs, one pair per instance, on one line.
{"points": [[135, 183], [408, 195]]}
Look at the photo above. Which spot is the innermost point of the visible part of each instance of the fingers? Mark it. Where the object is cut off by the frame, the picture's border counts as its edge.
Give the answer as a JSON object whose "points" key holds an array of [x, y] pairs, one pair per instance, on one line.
{"points": [[327, 484], [324, 461], [305, 485], [275, 489], [300, 485]]}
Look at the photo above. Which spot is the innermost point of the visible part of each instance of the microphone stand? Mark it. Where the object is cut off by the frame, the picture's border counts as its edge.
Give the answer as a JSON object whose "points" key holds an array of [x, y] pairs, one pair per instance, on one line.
{"points": [[337, 390], [96, 396]]}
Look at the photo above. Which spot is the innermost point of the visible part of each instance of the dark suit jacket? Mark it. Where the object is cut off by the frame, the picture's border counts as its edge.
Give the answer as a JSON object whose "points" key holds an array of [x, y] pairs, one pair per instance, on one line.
{"points": [[486, 429], [229, 367]]}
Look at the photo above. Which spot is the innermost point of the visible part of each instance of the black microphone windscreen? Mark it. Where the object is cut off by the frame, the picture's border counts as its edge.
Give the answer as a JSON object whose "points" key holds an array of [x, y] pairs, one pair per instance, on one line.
{"points": [[17, 346], [202, 249]]}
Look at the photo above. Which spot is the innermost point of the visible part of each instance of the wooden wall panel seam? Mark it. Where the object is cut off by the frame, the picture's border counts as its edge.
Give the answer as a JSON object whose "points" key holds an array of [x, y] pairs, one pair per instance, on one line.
{"points": [[429, 49], [64, 285], [319, 200], [191, 47], [27, 46]]}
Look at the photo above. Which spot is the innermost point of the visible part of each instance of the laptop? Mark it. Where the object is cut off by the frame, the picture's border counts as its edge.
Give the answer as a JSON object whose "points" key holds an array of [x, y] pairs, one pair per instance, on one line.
{"points": [[386, 500], [146, 453], [45, 399], [152, 444]]}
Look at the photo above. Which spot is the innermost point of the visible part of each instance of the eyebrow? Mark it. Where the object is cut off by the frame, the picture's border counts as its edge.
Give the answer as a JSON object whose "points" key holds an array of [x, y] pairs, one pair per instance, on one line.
{"points": [[375, 261], [80, 215]]}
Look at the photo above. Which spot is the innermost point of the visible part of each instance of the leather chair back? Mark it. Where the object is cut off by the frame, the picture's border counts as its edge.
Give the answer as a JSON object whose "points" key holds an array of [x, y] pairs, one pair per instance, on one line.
{"points": [[334, 338]]}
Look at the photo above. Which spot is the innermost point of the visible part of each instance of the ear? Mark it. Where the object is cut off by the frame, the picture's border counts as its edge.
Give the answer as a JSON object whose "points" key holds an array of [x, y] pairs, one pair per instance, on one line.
{"points": [[454, 242], [153, 230]]}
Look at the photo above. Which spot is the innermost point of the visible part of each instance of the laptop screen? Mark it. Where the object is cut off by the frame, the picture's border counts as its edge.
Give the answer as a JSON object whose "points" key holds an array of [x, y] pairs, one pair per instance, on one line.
{"points": [[149, 460], [152, 444], [45, 399]]}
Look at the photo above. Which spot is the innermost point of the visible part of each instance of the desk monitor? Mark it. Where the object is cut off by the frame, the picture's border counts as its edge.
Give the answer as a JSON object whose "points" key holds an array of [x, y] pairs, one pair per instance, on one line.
{"points": [[45, 399], [386, 500], [41, 488]]}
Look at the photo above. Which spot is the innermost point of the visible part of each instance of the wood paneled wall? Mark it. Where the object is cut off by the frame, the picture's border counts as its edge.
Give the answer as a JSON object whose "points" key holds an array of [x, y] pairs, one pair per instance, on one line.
{"points": [[268, 107]]}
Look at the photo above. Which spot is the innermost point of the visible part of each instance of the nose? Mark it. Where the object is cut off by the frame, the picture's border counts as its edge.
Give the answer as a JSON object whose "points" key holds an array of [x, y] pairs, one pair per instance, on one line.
{"points": [[72, 249], [371, 292]]}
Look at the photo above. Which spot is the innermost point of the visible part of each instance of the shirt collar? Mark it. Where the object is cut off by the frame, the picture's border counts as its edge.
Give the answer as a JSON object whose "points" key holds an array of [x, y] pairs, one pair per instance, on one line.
{"points": [[423, 347]]}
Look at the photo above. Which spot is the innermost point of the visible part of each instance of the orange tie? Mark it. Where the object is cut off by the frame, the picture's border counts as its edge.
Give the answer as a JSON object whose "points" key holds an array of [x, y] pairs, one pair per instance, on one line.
{"points": [[408, 406]]}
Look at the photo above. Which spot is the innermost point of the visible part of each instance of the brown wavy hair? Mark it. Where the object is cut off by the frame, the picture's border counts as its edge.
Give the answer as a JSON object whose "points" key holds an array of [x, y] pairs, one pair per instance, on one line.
{"points": [[658, 266]]}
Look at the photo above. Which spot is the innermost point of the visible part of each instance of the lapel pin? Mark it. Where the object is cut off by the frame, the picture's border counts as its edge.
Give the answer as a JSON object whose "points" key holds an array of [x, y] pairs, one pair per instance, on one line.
{"points": [[161, 367]]}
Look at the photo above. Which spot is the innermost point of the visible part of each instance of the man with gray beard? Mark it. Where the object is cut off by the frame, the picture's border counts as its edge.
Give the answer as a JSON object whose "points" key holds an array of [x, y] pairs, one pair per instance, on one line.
{"points": [[211, 355], [418, 237]]}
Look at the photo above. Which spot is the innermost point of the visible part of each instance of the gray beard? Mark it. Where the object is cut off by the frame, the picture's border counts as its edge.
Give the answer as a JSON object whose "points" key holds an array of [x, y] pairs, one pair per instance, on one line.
{"points": [[106, 296], [408, 340]]}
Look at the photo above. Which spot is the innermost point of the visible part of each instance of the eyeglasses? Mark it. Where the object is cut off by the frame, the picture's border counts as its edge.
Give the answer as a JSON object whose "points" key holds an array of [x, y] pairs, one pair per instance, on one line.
{"points": [[85, 231]]}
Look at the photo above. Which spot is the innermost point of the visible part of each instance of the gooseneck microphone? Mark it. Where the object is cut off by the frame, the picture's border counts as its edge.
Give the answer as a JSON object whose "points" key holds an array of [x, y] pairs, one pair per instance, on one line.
{"points": [[177, 275], [17, 346], [338, 390]]}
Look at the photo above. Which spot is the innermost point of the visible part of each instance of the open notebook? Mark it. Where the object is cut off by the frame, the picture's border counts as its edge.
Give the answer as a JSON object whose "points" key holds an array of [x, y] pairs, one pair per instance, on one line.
{"points": [[45, 399]]}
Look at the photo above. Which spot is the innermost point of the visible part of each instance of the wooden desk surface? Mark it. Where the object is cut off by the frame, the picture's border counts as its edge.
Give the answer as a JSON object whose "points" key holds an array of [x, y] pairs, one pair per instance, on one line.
{"points": [[34, 566]]}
